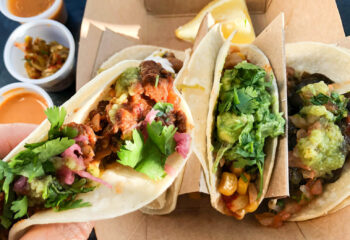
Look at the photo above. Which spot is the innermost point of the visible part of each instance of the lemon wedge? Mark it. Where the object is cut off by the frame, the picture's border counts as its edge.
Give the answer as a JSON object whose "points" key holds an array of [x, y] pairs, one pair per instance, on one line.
{"points": [[232, 14]]}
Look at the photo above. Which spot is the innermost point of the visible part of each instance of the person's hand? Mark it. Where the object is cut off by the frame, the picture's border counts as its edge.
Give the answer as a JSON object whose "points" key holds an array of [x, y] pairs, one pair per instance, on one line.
{"points": [[60, 231], [10, 136]]}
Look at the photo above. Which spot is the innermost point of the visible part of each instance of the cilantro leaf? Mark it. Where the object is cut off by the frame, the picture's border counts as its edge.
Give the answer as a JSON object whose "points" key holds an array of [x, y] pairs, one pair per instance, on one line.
{"points": [[157, 80], [242, 162], [223, 148], [52, 148], [26, 163], [153, 162], [7, 215], [64, 197], [20, 207], [162, 136], [5, 222], [320, 99], [227, 100], [6, 172], [34, 145], [69, 132], [163, 107], [247, 104], [73, 204], [31, 170], [130, 154], [336, 99], [56, 117], [250, 74], [22, 158], [260, 167]]}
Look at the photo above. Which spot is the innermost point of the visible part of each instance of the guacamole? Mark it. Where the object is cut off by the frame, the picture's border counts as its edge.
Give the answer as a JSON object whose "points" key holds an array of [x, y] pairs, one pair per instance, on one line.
{"points": [[126, 79], [321, 145], [311, 90], [246, 116], [321, 150]]}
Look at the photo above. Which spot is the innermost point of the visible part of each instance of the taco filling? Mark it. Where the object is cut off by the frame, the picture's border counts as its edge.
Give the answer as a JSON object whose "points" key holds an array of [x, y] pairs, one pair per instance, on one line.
{"points": [[319, 130], [245, 117], [138, 124]]}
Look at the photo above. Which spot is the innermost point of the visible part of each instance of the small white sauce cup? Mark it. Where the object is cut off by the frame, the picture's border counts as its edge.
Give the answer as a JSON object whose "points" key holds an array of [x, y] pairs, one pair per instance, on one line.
{"points": [[48, 30], [26, 87], [56, 11]]}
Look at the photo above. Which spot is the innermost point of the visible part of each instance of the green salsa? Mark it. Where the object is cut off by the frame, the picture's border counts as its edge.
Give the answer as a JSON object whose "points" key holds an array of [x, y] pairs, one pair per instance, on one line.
{"points": [[322, 150]]}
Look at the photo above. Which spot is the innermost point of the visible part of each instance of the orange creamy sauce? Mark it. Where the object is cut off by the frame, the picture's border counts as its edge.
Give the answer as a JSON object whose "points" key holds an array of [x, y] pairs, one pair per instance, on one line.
{"points": [[28, 8], [23, 107]]}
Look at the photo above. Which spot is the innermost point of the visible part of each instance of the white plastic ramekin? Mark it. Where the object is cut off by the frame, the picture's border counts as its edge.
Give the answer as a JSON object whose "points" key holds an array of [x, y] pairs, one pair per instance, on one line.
{"points": [[48, 30], [26, 87], [57, 11]]}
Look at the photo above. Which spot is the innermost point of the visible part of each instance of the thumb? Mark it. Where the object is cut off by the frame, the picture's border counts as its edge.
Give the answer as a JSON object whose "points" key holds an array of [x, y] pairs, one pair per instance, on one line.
{"points": [[60, 231], [12, 134]]}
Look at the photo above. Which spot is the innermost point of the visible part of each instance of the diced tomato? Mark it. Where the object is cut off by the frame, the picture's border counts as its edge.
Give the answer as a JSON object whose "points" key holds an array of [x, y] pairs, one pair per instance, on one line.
{"points": [[139, 107], [296, 162], [315, 187], [174, 99], [125, 120], [158, 93]]}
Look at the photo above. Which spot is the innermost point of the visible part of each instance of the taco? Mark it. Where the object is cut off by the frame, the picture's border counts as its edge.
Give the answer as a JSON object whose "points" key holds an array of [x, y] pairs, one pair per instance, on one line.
{"points": [[113, 148], [166, 202], [319, 131], [243, 125]]}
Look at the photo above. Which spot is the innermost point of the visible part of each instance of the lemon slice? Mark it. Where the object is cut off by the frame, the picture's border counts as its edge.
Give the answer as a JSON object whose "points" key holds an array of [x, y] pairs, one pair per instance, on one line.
{"points": [[233, 14]]}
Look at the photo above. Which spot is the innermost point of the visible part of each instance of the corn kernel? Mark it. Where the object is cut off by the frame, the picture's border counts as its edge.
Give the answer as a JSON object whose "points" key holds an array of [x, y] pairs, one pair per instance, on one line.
{"points": [[236, 171], [228, 184], [243, 184], [251, 207], [238, 203]]}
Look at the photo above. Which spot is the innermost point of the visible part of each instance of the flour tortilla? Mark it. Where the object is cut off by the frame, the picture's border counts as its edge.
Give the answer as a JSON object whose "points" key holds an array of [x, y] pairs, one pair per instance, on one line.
{"points": [[257, 57], [165, 203], [131, 190], [333, 62], [196, 85]]}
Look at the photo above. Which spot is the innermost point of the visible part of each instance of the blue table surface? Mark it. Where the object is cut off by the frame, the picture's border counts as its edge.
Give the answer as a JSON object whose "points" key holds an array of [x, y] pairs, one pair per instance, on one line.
{"points": [[75, 10]]}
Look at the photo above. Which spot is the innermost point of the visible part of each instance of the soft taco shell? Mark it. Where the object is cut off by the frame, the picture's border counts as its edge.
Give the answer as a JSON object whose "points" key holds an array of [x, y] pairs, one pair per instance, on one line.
{"points": [[196, 85], [333, 62], [257, 57], [131, 189], [166, 202]]}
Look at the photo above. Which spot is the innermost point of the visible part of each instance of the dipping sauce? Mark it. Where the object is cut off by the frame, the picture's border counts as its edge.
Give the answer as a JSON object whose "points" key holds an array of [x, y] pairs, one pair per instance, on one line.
{"points": [[22, 107], [28, 8]]}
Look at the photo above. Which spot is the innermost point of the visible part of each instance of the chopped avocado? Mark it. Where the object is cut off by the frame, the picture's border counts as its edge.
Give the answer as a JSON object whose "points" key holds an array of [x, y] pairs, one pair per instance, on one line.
{"points": [[229, 126], [313, 113], [311, 90], [126, 79], [227, 78], [116, 104], [94, 169], [39, 187], [322, 150]]}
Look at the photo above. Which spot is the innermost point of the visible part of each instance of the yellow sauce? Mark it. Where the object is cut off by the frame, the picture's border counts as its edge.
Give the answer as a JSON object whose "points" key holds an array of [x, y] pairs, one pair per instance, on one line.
{"points": [[22, 107]]}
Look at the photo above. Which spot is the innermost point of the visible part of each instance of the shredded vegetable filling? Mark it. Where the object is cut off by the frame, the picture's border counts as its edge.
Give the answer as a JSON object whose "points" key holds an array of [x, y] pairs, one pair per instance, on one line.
{"points": [[42, 59]]}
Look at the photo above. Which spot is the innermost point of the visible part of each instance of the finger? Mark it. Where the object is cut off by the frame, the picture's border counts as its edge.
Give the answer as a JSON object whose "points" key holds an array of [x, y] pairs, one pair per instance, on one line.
{"points": [[12, 134], [60, 231]]}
